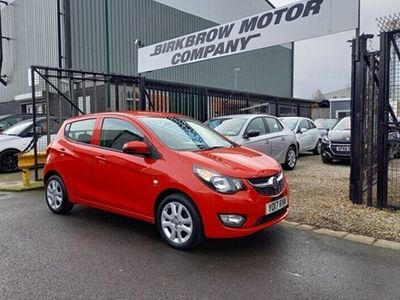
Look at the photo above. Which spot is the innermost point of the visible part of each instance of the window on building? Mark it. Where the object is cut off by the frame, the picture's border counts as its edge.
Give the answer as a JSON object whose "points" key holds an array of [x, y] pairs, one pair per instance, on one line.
{"points": [[287, 111]]}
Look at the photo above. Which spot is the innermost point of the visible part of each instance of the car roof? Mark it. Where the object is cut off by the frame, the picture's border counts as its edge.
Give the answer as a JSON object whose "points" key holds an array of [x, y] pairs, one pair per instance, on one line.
{"points": [[131, 114], [294, 118], [243, 116]]}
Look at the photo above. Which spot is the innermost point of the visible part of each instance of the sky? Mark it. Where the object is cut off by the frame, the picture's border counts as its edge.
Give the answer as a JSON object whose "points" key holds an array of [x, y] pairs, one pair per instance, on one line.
{"points": [[325, 63]]}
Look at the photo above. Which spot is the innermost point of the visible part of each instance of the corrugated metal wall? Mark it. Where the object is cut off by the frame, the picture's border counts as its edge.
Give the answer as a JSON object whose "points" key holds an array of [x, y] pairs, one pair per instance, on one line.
{"points": [[32, 27], [267, 71]]}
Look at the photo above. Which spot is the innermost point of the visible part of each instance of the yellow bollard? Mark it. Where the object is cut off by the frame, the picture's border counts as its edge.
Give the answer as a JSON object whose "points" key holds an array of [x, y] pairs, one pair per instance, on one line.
{"points": [[26, 161]]}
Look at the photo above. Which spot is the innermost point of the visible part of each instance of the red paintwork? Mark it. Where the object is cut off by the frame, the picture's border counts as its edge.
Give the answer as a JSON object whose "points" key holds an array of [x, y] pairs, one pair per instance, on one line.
{"points": [[123, 183]]}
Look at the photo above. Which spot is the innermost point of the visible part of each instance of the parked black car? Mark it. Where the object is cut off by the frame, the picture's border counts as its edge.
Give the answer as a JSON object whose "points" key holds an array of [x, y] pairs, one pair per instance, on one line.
{"points": [[336, 144]]}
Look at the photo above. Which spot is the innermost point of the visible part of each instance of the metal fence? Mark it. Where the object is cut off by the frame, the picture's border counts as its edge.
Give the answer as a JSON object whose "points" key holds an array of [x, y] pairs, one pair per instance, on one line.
{"points": [[58, 94], [375, 140]]}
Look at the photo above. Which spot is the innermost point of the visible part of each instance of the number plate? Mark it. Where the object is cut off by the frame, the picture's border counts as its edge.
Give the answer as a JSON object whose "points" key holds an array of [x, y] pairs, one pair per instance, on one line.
{"points": [[276, 205], [343, 149]]}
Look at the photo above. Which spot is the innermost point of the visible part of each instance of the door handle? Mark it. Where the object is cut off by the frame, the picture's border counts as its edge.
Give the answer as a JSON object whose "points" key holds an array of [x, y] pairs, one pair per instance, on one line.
{"points": [[267, 141], [101, 158], [283, 139]]}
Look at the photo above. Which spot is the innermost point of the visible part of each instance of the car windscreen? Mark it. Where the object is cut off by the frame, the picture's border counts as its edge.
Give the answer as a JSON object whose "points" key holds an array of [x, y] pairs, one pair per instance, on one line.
{"points": [[325, 123], [344, 124], [291, 123], [228, 127], [184, 134], [18, 128]]}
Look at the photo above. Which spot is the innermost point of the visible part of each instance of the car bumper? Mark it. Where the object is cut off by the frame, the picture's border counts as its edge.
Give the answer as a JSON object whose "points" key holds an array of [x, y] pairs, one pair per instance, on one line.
{"points": [[249, 204], [330, 151]]}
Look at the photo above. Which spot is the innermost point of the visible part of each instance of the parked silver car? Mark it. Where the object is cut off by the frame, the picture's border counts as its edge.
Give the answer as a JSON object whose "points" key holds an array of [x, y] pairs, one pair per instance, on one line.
{"points": [[307, 134], [262, 133]]}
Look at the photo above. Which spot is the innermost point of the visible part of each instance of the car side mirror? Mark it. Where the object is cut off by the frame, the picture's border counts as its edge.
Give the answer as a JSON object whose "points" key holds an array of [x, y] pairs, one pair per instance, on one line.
{"points": [[252, 133], [136, 148], [303, 130]]}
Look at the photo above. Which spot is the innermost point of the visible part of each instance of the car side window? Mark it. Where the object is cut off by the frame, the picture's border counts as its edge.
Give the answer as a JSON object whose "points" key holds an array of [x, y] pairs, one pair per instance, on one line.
{"points": [[80, 131], [258, 125], [116, 133], [273, 125], [311, 125], [304, 125]]}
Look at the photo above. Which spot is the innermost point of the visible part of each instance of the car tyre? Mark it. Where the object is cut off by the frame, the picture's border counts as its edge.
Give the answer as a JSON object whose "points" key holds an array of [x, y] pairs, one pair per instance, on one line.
{"points": [[318, 148], [326, 160], [56, 196], [9, 161], [179, 222], [291, 159]]}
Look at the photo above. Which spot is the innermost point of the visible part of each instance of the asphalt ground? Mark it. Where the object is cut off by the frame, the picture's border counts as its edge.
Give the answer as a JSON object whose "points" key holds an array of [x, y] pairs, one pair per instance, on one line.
{"points": [[90, 254]]}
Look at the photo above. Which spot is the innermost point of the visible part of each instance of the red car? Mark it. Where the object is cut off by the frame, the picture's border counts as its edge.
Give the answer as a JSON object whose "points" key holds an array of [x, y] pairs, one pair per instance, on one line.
{"points": [[166, 169]]}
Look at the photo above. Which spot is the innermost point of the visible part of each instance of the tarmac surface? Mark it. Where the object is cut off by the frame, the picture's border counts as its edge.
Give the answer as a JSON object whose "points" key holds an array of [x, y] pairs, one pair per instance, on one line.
{"points": [[90, 254]]}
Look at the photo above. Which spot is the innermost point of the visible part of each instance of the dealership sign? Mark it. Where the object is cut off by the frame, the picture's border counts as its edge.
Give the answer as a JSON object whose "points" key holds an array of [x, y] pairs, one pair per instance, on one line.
{"points": [[298, 21]]}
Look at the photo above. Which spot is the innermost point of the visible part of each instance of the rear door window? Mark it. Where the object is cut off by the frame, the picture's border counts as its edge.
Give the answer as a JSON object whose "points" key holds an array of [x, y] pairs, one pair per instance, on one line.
{"points": [[273, 125], [80, 131], [258, 125], [116, 133]]}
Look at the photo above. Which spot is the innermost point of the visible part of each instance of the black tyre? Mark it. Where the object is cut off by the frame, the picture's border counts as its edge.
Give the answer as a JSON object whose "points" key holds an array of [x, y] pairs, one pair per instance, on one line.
{"points": [[9, 161], [179, 222], [326, 160], [318, 148], [56, 196], [291, 159]]}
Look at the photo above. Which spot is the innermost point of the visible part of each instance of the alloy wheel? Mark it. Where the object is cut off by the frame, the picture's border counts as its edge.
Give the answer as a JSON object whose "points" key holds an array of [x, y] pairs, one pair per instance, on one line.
{"points": [[291, 158], [176, 223], [54, 194]]}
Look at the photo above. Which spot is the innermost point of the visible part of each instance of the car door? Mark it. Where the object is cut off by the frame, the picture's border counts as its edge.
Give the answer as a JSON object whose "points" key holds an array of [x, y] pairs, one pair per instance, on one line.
{"points": [[75, 158], [304, 138], [260, 143], [315, 134], [121, 179], [277, 139]]}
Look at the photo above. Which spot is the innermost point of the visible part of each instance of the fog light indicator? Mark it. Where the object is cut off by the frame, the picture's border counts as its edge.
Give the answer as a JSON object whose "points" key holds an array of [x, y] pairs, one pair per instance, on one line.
{"points": [[232, 220]]}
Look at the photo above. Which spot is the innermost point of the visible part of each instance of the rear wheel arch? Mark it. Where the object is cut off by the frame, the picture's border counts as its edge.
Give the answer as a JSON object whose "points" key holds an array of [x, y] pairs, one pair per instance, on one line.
{"points": [[49, 174], [10, 149]]}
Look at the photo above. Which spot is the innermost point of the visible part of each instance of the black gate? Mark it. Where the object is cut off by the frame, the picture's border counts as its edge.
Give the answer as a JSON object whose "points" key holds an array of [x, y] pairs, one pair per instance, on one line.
{"points": [[375, 139], [58, 94]]}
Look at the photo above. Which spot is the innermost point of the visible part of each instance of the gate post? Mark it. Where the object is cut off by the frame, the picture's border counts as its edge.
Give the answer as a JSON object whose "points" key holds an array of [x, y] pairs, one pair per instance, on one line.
{"points": [[358, 93], [383, 118], [142, 90]]}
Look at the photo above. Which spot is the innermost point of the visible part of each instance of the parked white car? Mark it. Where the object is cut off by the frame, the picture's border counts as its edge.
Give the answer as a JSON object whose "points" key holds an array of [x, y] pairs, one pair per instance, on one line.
{"points": [[307, 134], [18, 137], [263, 133]]}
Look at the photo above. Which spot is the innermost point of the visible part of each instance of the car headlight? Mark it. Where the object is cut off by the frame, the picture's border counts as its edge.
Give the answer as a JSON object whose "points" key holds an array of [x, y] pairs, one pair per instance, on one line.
{"points": [[220, 183], [326, 140]]}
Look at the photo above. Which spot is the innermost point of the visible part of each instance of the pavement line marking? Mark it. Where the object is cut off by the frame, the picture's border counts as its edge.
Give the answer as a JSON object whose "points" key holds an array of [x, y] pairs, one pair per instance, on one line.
{"points": [[293, 274]]}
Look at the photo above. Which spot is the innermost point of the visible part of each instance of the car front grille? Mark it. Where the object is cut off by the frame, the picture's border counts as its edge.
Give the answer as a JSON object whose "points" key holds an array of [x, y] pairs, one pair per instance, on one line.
{"points": [[271, 217], [269, 186], [336, 149]]}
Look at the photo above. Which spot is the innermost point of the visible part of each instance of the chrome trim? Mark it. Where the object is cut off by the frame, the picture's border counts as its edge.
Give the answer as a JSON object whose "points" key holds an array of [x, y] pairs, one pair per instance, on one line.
{"points": [[272, 181]]}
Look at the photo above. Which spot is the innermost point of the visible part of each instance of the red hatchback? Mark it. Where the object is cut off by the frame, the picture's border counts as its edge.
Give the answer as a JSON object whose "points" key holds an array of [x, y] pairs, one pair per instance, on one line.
{"points": [[165, 169]]}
